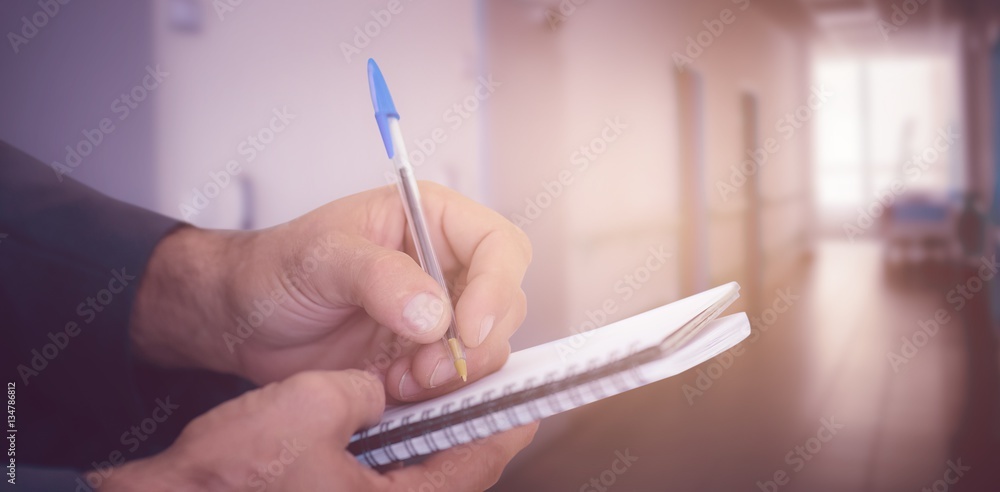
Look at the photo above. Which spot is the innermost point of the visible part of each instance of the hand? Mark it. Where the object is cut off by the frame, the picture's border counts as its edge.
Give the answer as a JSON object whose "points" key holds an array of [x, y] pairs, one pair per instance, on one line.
{"points": [[338, 288], [291, 436]]}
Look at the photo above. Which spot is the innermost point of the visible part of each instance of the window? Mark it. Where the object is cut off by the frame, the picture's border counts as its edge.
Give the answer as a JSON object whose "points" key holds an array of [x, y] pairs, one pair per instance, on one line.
{"points": [[885, 111]]}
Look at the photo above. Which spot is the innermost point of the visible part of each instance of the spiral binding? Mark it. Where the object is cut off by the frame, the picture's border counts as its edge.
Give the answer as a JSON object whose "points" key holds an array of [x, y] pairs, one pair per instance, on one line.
{"points": [[518, 404]]}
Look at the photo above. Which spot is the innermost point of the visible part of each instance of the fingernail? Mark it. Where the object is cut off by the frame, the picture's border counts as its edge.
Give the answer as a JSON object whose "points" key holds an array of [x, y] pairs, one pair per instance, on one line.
{"points": [[485, 326], [424, 312], [408, 386], [444, 372]]}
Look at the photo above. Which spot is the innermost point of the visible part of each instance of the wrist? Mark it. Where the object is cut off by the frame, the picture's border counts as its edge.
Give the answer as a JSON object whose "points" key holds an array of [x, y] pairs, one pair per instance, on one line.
{"points": [[182, 304]]}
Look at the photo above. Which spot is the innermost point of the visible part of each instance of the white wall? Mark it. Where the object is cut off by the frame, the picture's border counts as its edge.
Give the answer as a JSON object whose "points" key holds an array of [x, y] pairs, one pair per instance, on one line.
{"points": [[614, 60], [229, 75]]}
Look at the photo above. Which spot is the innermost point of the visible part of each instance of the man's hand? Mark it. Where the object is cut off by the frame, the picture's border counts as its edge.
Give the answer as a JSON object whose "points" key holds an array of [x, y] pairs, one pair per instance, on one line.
{"points": [[338, 288], [291, 436]]}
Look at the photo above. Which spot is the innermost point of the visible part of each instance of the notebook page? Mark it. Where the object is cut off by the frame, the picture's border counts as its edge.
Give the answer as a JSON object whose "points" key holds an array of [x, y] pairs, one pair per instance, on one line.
{"points": [[720, 335], [640, 331], [568, 355], [717, 336]]}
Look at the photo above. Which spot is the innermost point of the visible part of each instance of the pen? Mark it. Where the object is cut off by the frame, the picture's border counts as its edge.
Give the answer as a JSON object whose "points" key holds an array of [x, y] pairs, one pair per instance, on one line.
{"points": [[388, 126]]}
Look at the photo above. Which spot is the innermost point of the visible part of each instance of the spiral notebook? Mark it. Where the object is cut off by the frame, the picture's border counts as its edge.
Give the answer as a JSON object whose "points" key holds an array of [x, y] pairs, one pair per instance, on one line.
{"points": [[561, 375]]}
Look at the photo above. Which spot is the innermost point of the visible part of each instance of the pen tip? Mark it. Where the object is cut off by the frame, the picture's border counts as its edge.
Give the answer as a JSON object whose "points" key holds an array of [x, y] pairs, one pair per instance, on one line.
{"points": [[463, 371]]}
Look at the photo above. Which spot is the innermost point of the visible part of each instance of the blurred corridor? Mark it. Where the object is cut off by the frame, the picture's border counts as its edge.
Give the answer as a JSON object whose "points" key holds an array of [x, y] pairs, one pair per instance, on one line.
{"points": [[745, 418], [837, 158]]}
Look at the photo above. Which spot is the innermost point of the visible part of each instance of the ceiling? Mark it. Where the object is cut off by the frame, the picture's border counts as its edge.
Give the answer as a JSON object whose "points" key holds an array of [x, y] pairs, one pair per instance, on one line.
{"points": [[883, 24]]}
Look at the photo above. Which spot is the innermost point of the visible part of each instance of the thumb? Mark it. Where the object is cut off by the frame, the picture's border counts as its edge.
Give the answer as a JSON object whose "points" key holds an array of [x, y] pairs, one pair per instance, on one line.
{"points": [[398, 294], [366, 397], [339, 402]]}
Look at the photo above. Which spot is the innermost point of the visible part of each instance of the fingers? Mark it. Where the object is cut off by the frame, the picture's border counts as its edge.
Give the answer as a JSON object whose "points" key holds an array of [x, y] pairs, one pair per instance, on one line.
{"points": [[289, 435], [492, 305], [395, 291], [482, 246], [429, 372], [495, 252], [473, 466], [486, 305]]}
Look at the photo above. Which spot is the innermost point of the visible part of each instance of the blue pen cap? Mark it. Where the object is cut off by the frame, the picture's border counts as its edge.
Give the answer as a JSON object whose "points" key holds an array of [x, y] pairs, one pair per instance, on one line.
{"points": [[382, 101]]}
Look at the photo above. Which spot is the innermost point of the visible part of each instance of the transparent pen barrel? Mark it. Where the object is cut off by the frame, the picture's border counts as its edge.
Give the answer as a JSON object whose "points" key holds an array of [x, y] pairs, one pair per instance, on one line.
{"points": [[410, 195]]}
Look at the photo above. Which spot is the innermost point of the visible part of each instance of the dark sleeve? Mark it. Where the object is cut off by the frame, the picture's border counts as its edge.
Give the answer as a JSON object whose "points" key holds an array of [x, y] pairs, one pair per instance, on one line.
{"points": [[71, 260]]}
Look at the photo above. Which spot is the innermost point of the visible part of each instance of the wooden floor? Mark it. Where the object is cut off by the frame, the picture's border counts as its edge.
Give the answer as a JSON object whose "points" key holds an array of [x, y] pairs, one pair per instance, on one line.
{"points": [[822, 362]]}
